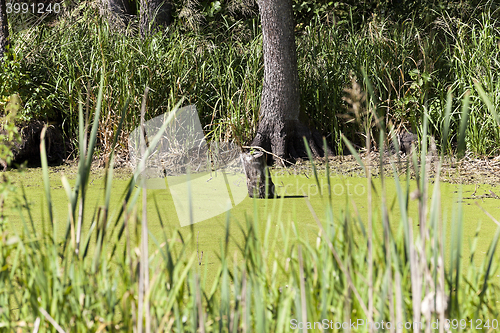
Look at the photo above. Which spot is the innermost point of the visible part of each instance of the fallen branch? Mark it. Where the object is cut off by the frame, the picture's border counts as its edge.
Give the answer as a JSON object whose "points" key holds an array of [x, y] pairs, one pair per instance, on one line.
{"points": [[268, 152]]}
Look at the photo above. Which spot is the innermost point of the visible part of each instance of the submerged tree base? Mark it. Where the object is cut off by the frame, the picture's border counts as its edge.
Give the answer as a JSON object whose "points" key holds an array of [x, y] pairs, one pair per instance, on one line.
{"points": [[258, 175]]}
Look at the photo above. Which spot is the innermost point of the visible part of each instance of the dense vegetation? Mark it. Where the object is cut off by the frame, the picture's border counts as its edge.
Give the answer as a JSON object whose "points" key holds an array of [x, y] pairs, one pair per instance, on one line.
{"points": [[355, 271], [433, 71], [213, 58]]}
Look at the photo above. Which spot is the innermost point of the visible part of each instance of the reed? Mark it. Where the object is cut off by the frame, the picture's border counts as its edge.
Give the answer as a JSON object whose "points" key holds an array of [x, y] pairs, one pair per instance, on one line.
{"points": [[275, 280], [411, 66]]}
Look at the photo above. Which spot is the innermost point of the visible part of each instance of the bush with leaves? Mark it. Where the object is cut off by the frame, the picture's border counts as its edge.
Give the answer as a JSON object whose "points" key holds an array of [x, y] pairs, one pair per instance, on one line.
{"points": [[9, 134]]}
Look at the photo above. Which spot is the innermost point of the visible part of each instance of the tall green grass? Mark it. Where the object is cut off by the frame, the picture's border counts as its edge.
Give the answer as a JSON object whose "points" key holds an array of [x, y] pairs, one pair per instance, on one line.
{"points": [[411, 66], [476, 60], [100, 276], [223, 79]]}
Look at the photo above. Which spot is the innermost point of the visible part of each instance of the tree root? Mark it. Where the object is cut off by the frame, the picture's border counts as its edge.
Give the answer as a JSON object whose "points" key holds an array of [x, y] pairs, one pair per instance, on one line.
{"points": [[286, 143]]}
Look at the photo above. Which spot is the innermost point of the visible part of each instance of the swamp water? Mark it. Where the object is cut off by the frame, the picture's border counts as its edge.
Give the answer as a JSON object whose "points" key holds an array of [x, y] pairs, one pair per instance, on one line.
{"points": [[347, 193]]}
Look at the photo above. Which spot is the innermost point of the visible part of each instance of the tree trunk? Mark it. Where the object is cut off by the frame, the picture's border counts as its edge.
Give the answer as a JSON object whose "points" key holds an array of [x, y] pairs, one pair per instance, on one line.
{"points": [[281, 127], [154, 14], [4, 30], [257, 175]]}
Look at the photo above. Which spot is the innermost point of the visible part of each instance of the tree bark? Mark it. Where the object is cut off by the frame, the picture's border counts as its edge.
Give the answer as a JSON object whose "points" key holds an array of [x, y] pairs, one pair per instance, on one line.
{"points": [[281, 125], [4, 30], [154, 14], [257, 175]]}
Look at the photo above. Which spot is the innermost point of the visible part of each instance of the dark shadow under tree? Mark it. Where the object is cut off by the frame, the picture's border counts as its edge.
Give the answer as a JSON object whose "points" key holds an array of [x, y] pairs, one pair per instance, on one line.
{"points": [[120, 11], [154, 14]]}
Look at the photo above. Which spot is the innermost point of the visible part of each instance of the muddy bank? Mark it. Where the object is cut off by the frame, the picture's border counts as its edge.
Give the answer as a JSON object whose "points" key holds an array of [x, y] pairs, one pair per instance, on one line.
{"points": [[468, 170]]}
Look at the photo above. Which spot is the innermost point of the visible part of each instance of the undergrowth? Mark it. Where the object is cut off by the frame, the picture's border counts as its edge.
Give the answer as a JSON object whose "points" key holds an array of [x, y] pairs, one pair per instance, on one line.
{"points": [[412, 67], [276, 280]]}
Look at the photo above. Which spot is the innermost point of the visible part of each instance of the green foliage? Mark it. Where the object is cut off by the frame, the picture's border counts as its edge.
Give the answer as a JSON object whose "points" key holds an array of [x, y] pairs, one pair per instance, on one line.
{"points": [[359, 13], [212, 8], [412, 65], [307, 9], [9, 134], [15, 78], [11, 77], [222, 77], [89, 279], [475, 60]]}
